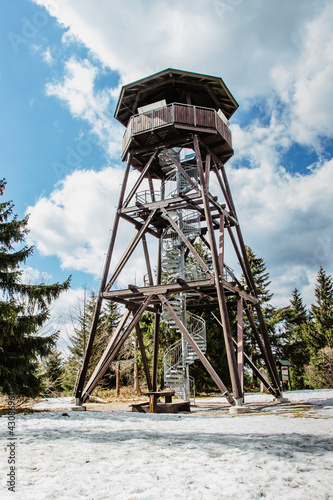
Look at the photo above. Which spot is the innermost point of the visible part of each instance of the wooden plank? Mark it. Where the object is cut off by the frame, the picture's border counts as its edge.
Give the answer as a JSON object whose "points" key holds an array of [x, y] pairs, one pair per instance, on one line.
{"points": [[146, 254], [161, 393], [221, 242], [205, 117], [162, 117], [252, 365], [163, 203], [207, 169], [181, 286]]}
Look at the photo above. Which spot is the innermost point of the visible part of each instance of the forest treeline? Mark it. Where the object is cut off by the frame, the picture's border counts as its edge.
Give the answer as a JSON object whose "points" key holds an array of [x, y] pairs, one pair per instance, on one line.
{"points": [[32, 364]]}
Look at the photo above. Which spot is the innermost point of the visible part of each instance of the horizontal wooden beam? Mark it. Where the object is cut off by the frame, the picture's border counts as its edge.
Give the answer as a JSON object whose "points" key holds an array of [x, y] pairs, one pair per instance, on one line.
{"points": [[161, 203], [199, 286], [158, 289]]}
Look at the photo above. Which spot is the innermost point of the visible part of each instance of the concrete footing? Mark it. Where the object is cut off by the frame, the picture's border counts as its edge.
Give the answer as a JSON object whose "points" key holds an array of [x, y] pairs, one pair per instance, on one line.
{"points": [[78, 408], [239, 402], [281, 400], [236, 410]]}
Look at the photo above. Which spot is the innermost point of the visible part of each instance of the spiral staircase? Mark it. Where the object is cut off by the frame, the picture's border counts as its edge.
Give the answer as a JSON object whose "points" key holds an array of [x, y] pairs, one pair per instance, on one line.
{"points": [[181, 355]]}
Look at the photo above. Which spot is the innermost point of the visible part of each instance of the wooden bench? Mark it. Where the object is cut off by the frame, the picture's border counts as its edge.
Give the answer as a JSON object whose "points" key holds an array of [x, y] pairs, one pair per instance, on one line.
{"points": [[144, 407], [154, 397]]}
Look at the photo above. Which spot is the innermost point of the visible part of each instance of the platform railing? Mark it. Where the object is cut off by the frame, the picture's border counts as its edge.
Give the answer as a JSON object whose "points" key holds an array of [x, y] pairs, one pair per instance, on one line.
{"points": [[175, 113]]}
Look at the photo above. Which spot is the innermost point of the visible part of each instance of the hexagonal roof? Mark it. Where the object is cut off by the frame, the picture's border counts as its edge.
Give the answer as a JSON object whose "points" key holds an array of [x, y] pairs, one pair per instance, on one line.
{"points": [[175, 85]]}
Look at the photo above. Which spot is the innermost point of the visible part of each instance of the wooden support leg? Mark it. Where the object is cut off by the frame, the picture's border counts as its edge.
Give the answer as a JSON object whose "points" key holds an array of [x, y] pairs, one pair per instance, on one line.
{"points": [[105, 356], [243, 260], [240, 343], [155, 352], [263, 329], [157, 321], [218, 280], [98, 306], [144, 356], [152, 403], [262, 348]]}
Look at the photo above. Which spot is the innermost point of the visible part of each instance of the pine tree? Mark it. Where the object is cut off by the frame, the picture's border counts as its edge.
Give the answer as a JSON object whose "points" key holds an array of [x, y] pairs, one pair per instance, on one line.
{"points": [[108, 320], [294, 323], [24, 308], [53, 373], [261, 279], [79, 341], [320, 333]]}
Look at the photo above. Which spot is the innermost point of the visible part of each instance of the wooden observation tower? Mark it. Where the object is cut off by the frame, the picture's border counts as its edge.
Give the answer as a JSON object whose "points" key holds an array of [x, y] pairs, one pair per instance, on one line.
{"points": [[177, 139]]}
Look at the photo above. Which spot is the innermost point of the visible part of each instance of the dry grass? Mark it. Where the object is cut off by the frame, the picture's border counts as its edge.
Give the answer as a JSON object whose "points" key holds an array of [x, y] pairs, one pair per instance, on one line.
{"points": [[22, 405], [126, 394]]}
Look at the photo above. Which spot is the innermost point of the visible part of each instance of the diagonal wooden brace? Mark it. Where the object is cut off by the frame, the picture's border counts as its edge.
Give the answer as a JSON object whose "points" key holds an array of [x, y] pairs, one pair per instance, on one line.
{"points": [[118, 342], [187, 243]]}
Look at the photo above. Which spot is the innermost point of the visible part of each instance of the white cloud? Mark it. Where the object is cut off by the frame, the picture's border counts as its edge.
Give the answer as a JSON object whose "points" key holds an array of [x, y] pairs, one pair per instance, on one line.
{"points": [[287, 220], [33, 276], [277, 55], [64, 316], [47, 56], [141, 37], [78, 91], [73, 223], [258, 47], [305, 86]]}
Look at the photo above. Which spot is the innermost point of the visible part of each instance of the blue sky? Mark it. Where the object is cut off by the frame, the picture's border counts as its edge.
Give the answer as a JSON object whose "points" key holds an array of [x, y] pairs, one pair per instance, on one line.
{"points": [[62, 63]]}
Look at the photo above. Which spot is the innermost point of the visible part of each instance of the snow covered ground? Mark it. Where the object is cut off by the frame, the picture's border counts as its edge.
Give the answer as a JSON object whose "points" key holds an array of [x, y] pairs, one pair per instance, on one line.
{"points": [[61, 454]]}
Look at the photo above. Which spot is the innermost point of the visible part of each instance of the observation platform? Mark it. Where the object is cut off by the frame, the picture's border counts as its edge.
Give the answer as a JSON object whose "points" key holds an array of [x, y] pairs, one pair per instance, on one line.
{"points": [[173, 125], [167, 108]]}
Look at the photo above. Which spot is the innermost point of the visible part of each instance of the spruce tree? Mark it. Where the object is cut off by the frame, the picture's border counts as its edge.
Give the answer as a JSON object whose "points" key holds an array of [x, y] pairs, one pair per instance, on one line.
{"points": [[108, 320], [24, 308], [79, 340], [294, 323], [53, 373], [261, 279], [320, 333]]}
